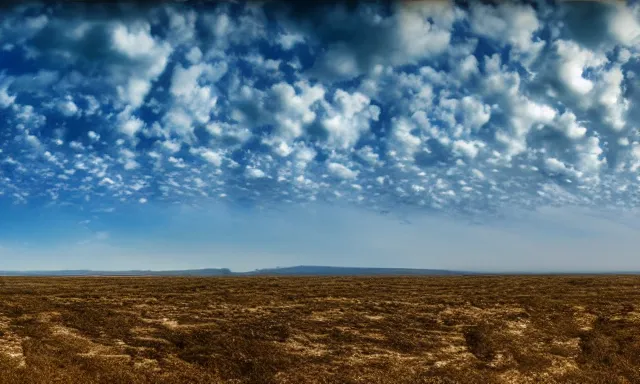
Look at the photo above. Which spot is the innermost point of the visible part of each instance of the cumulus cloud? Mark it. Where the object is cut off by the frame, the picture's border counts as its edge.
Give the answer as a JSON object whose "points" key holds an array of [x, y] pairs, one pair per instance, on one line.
{"points": [[428, 105], [358, 41], [508, 23], [573, 61], [341, 171], [601, 25], [131, 126], [68, 108], [350, 116], [5, 99], [292, 107], [210, 156], [254, 173]]}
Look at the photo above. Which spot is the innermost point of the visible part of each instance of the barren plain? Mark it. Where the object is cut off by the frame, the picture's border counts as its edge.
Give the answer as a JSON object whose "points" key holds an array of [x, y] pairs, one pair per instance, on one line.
{"points": [[467, 329]]}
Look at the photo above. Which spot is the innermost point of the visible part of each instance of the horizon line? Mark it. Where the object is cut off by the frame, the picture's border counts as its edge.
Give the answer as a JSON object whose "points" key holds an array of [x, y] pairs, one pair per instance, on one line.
{"points": [[273, 269]]}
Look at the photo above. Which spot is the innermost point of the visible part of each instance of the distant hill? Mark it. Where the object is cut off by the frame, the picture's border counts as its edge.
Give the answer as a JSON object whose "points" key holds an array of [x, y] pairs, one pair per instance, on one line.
{"points": [[303, 270], [311, 270], [82, 272]]}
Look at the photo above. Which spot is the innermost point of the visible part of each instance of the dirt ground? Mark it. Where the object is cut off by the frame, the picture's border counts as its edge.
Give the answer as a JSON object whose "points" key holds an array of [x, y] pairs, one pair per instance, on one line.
{"points": [[476, 329]]}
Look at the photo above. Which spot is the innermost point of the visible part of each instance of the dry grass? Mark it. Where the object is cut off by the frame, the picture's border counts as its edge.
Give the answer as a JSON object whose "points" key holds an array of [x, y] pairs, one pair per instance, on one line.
{"points": [[533, 329]]}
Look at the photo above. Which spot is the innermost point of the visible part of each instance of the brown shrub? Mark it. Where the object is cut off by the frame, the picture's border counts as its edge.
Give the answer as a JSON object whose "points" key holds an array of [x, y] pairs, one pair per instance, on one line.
{"points": [[480, 341]]}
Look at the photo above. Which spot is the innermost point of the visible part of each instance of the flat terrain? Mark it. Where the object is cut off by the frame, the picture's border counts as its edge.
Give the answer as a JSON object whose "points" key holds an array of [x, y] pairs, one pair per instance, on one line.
{"points": [[520, 329]]}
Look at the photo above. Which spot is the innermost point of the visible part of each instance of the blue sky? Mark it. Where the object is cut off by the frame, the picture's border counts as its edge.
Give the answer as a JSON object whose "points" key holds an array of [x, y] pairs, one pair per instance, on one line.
{"points": [[416, 134]]}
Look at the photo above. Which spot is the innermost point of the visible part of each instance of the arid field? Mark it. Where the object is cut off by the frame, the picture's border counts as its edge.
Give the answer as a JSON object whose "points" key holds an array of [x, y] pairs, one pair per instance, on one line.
{"points": [[520, 329]]}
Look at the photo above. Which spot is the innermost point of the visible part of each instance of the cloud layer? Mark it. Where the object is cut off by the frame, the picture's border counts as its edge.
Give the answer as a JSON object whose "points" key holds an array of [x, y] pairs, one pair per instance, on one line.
{"points": [[416, 105]]}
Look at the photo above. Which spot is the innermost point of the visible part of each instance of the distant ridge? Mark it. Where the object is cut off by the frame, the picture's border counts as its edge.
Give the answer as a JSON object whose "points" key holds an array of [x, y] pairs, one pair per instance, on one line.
{"points": [[86, 272], [302, 270], [311, 270]]}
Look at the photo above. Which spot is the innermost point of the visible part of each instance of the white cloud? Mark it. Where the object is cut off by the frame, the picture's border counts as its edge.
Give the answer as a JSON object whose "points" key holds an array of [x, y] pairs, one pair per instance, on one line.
{"points": [[624, 25], [292, 107], [254, 173], [573, 61], [610, 97], [136, 42], [68, 108], [131, 126], [182, 25], [194, 55], [468, 67], [282, 149], [341, 171], [367, 154], [32, 140], [567, 124], [6, 100], [134, 91], [178, 121], [193, 102], [93, 136], [509, 23], [405, 37], [475, 113], [171, 146], [403, 137], [468, 149], [304, 155], [289, 40], [350, 117], [212, 157]]}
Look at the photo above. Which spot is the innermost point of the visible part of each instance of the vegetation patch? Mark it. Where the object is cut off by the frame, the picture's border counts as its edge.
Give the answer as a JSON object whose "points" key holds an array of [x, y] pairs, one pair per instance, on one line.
{"points": [[263, 330]]}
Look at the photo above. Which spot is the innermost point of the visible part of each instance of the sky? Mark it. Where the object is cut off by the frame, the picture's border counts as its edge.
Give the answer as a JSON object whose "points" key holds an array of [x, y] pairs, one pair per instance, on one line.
{"points": [[250, 135]]}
